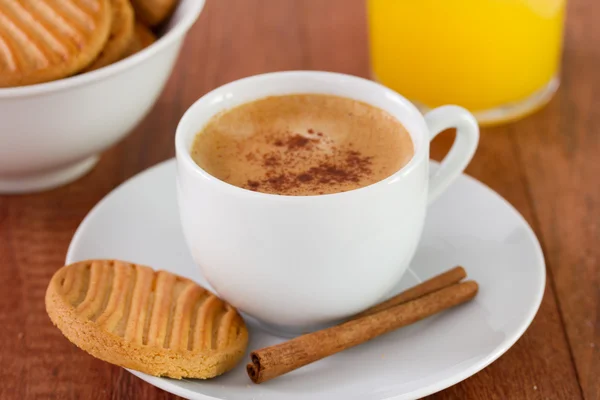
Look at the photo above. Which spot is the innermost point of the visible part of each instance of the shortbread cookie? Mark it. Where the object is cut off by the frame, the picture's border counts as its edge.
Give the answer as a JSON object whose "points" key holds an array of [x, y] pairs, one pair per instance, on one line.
{"points": [[43, 40], [151, 321], [153, 12], [142, 38], [121, 35]]}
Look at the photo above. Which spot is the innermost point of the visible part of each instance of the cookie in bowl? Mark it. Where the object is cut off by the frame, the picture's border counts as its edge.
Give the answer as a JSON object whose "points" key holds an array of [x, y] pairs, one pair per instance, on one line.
{"points": [[153, 12], [121, 35], [142, 38], [47, 40]]}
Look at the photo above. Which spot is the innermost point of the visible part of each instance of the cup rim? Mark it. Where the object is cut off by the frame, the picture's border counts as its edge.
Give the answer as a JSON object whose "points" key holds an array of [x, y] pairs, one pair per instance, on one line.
{"points": [[182, 153], [179, 29]]}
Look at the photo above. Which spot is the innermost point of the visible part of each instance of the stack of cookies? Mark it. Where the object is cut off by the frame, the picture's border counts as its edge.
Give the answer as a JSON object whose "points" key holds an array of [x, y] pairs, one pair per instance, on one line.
{"points": [[45, 40]]}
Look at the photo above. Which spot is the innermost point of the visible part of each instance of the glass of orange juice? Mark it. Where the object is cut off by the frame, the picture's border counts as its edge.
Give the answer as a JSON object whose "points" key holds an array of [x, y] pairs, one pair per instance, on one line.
{"points": [[498, 58]]}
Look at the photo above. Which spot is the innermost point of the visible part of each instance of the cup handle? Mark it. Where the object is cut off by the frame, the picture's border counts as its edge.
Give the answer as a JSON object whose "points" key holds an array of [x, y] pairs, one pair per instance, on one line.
{"points": [[463, 148]]}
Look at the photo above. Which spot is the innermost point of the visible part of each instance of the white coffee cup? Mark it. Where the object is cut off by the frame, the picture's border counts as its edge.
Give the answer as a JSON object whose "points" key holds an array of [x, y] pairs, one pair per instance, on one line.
{"points": [[297, 262]]}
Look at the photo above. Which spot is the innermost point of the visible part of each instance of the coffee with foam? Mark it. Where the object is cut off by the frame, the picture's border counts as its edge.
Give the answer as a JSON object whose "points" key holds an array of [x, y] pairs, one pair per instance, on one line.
{"points": [[302, 145]]}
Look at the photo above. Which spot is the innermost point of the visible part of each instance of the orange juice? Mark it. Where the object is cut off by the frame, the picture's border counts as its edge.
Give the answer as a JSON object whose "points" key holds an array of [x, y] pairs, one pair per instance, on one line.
{"points": [[480, 54]]}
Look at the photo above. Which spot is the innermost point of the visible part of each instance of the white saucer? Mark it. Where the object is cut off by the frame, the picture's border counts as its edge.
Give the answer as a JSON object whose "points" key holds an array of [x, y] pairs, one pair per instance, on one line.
{"points": [[469, 225]]}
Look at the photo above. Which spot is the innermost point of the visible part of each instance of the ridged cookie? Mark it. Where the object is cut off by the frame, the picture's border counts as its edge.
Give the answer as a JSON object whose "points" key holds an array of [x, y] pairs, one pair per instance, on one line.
{"points": [[121, 35], [153, 12], [43, 40], [142, 38], [151, 321]]}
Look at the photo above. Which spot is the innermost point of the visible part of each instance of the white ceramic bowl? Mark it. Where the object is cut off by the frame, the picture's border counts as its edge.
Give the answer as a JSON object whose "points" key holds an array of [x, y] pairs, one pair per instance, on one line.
{"points": [[52, 133]]}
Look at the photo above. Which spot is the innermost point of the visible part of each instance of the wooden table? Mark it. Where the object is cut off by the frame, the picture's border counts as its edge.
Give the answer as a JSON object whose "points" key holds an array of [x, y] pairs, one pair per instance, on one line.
{"points": [[545, 165]]}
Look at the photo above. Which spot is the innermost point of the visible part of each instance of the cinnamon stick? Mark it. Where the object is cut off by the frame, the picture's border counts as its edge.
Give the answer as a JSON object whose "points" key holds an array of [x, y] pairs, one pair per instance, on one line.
{"points": [[271, 362], [438, 282]]}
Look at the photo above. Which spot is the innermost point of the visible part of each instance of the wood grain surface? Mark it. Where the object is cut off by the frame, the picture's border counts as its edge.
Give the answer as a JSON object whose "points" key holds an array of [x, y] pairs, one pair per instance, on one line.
{"points": [[546, 165]]}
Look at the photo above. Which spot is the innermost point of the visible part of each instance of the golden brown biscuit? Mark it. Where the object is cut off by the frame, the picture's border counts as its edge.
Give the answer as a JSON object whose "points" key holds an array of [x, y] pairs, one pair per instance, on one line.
{"points": [[151, 321], [144, 35], [42, 40], [153, 12], [142, 38], [121, 35]]}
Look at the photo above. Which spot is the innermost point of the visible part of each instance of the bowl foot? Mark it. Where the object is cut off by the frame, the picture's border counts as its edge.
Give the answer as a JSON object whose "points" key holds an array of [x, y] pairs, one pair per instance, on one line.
{"points": [[46, 180]]}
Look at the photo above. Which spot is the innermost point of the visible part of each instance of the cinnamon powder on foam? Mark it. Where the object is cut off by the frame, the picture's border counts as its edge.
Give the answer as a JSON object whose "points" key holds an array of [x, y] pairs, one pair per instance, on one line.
{"points": [[302, 145]]}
